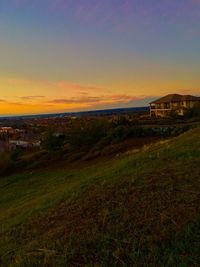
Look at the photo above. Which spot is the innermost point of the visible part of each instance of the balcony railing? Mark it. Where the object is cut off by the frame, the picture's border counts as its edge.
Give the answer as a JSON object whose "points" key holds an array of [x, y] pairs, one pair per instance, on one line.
{"points": [[154, 108]]}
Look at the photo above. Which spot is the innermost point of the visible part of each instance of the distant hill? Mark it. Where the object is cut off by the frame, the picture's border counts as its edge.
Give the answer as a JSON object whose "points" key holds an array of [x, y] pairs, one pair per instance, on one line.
{"points": [[82, 113], [139, 209]]}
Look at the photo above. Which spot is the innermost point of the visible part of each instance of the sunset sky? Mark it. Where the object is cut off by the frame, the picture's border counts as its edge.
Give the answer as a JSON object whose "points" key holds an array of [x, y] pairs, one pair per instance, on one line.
{"points": [[67, 55]]}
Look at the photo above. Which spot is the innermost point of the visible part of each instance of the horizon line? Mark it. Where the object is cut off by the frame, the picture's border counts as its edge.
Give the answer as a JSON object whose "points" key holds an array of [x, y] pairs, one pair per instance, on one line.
{"points": [[68, 112]]}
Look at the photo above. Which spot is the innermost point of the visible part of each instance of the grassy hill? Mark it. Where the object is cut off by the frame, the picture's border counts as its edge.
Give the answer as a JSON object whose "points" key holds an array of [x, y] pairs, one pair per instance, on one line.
{"points": [[140, 209]]}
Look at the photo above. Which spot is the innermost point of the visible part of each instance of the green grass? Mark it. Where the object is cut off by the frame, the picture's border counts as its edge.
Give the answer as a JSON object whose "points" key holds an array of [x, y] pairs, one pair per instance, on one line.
{"points": [[140, 209], [26, 194]]}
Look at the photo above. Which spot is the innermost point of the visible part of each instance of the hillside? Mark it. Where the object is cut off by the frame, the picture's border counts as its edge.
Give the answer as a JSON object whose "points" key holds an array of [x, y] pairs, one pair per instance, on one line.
{"points": [[138, 209]]}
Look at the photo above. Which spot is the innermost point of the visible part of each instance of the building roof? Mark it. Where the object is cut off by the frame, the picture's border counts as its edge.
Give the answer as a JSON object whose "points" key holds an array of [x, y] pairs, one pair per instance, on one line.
{"points": [[175, 98], [190, 98]]}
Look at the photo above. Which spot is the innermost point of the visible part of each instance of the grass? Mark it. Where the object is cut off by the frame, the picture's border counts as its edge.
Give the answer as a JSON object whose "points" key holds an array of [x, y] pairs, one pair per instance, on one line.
{"points": [[141, 209]]}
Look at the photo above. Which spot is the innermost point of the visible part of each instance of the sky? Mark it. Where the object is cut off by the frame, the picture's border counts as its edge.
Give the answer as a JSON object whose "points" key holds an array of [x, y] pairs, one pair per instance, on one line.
{"points": [[71, 55]]}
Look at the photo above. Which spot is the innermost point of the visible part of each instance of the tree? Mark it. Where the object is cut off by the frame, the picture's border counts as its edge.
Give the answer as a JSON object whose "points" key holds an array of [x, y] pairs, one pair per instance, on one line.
{"points": [[84, 134], [194, 111]]}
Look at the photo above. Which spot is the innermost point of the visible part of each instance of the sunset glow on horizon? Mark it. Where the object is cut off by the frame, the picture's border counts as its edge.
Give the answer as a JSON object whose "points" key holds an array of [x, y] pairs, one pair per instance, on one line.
{"points": [[66, 55]]}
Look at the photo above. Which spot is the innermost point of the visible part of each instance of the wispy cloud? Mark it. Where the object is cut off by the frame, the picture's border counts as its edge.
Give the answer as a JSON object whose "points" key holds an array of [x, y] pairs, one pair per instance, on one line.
{"points": [[7, 102], [124, 16], [78, 88], [79, 100], [91, 101], [34, 97]]}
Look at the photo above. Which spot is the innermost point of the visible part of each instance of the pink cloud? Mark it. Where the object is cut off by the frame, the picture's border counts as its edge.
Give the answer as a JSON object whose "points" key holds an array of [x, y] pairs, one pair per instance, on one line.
{"points": [[79, 88], [79, 100], [92, 102], [121, 16]]}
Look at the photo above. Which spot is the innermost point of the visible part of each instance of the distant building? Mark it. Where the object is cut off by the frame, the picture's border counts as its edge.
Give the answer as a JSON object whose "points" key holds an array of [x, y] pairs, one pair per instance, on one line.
{"points": [[18, 143], [13, 144], [179, 104], [7, 130]]}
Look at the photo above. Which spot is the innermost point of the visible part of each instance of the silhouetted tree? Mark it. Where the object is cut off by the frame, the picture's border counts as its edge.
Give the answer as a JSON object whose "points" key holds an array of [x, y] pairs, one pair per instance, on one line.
{"points": [[194, 111]]}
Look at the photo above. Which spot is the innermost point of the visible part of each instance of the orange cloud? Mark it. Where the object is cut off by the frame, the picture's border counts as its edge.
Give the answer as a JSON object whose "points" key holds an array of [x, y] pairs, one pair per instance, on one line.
{"points": [[30, 98]]}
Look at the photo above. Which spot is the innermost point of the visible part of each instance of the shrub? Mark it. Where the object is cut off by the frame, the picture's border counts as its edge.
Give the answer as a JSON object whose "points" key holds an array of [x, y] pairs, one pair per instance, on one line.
{"points": [[194, 111], [83, 135]]}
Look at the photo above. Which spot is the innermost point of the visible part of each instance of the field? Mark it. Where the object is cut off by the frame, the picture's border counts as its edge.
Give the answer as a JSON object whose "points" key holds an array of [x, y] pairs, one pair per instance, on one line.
{"points": [[138, 209]]}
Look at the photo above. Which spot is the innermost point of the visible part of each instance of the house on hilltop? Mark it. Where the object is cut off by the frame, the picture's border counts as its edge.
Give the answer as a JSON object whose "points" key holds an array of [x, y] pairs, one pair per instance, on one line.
{"points": [[179, 104]]}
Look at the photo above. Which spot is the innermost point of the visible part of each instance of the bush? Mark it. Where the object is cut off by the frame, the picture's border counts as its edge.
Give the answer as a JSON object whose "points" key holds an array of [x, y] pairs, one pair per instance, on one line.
{"points": [[83, 135], [194, 111], [119, 133]]}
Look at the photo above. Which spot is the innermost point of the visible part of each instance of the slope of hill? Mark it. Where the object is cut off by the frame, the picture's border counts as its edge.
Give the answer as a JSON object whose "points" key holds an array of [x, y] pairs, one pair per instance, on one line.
{"points": [[141, 209]]}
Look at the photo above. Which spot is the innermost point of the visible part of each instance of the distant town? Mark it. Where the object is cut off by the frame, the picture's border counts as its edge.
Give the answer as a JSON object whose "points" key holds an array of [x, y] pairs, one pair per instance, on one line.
{"points": [[27, 132]]}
